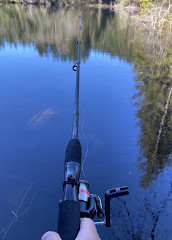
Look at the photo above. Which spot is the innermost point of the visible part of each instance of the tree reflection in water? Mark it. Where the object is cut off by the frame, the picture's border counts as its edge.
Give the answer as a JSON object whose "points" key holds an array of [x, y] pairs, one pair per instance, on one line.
{"points": [[152, 63], [54, 31]]}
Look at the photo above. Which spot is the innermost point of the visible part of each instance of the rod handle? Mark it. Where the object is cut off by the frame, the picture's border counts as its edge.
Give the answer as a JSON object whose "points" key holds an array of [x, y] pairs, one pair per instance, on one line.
{"points": [[73, 151], [69, 219]]}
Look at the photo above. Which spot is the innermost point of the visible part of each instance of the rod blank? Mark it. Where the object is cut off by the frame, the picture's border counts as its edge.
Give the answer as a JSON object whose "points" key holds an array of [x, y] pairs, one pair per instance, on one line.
{"points": [[76, 103]]}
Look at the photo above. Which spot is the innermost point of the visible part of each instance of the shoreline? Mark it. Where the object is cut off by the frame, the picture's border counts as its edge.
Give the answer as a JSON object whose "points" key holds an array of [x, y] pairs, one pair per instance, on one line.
{"points": [[145, 21], [117, 6], [132, 9], [113, 7]]}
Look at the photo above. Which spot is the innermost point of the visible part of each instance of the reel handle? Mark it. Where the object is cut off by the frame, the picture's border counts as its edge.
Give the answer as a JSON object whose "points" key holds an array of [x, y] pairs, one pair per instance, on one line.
{"points": [[112, 193]]}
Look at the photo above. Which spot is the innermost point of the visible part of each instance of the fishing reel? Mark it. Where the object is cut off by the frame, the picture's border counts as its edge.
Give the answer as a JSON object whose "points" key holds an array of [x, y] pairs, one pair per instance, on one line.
{"points": [[90, 204], [77, 191]]}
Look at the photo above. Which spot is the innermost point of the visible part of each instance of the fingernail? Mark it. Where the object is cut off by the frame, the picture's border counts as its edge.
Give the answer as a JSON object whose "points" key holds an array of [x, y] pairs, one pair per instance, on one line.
{"points": [[48, 236]]}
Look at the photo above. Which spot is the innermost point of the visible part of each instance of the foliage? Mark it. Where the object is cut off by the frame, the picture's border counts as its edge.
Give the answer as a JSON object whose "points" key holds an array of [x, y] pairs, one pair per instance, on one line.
{"points": [[157, 15], [154, 14], [145, 5]]}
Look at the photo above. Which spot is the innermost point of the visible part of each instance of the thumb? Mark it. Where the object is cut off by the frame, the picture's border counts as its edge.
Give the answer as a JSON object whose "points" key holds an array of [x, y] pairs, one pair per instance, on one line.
{"points": [[51, 236], [88, 230]]}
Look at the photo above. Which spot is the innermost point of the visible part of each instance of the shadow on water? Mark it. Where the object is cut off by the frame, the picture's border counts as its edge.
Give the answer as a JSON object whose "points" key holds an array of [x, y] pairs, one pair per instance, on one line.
{"points": [[53, 33]]}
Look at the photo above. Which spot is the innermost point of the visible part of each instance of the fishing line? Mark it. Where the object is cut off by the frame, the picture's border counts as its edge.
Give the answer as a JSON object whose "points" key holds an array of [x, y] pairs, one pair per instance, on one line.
{"points": [[28, 207], [16, 217], [16, 213], [22, 214], [86, 140]]}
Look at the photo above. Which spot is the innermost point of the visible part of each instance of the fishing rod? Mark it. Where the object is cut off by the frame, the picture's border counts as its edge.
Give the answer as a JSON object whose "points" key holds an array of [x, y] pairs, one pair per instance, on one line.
{"points": [[77, 201]]}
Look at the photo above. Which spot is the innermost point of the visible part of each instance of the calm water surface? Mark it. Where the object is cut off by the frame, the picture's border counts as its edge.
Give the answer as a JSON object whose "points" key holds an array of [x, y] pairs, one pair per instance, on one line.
{"points": [[125, 96]]}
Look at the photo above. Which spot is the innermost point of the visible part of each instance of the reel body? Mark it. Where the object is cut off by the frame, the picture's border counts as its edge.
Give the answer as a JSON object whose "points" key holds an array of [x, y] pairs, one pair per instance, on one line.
{"points": [[91, 206]]}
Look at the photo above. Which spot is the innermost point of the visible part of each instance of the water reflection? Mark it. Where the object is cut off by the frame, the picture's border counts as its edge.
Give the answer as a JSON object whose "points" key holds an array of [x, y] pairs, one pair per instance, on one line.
{"points": [[152, 63], [53, 33]]}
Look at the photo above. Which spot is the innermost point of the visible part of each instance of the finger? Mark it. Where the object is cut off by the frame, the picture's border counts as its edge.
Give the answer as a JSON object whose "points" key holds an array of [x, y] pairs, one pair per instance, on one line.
{"points": [[88, 230], [51, 236]]}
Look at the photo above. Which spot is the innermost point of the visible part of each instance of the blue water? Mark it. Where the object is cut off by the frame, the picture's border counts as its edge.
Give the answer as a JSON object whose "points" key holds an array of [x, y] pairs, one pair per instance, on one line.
{"points": [[36, 107], [37, 96]]}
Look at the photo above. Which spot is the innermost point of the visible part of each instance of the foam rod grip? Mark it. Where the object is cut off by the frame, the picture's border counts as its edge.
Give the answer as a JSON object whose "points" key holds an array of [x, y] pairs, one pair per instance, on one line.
{"points": [[69, 219], [73, 151]]}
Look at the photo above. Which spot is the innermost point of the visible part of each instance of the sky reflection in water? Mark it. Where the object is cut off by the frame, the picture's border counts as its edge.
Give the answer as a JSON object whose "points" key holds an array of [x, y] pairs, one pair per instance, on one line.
{"points": [[37, 95]]}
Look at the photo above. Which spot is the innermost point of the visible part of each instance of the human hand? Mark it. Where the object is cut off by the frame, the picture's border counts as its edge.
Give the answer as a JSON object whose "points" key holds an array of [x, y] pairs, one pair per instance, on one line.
{"points": [[87, 231]]}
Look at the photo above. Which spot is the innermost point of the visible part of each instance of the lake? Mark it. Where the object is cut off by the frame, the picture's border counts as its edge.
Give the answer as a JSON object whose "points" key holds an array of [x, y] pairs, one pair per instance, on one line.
{"points": [[125, 114]]}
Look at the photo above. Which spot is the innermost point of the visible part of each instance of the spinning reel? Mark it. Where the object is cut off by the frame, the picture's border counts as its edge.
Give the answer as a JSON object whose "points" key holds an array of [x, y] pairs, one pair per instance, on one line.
{"points": [[90, 204]]}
